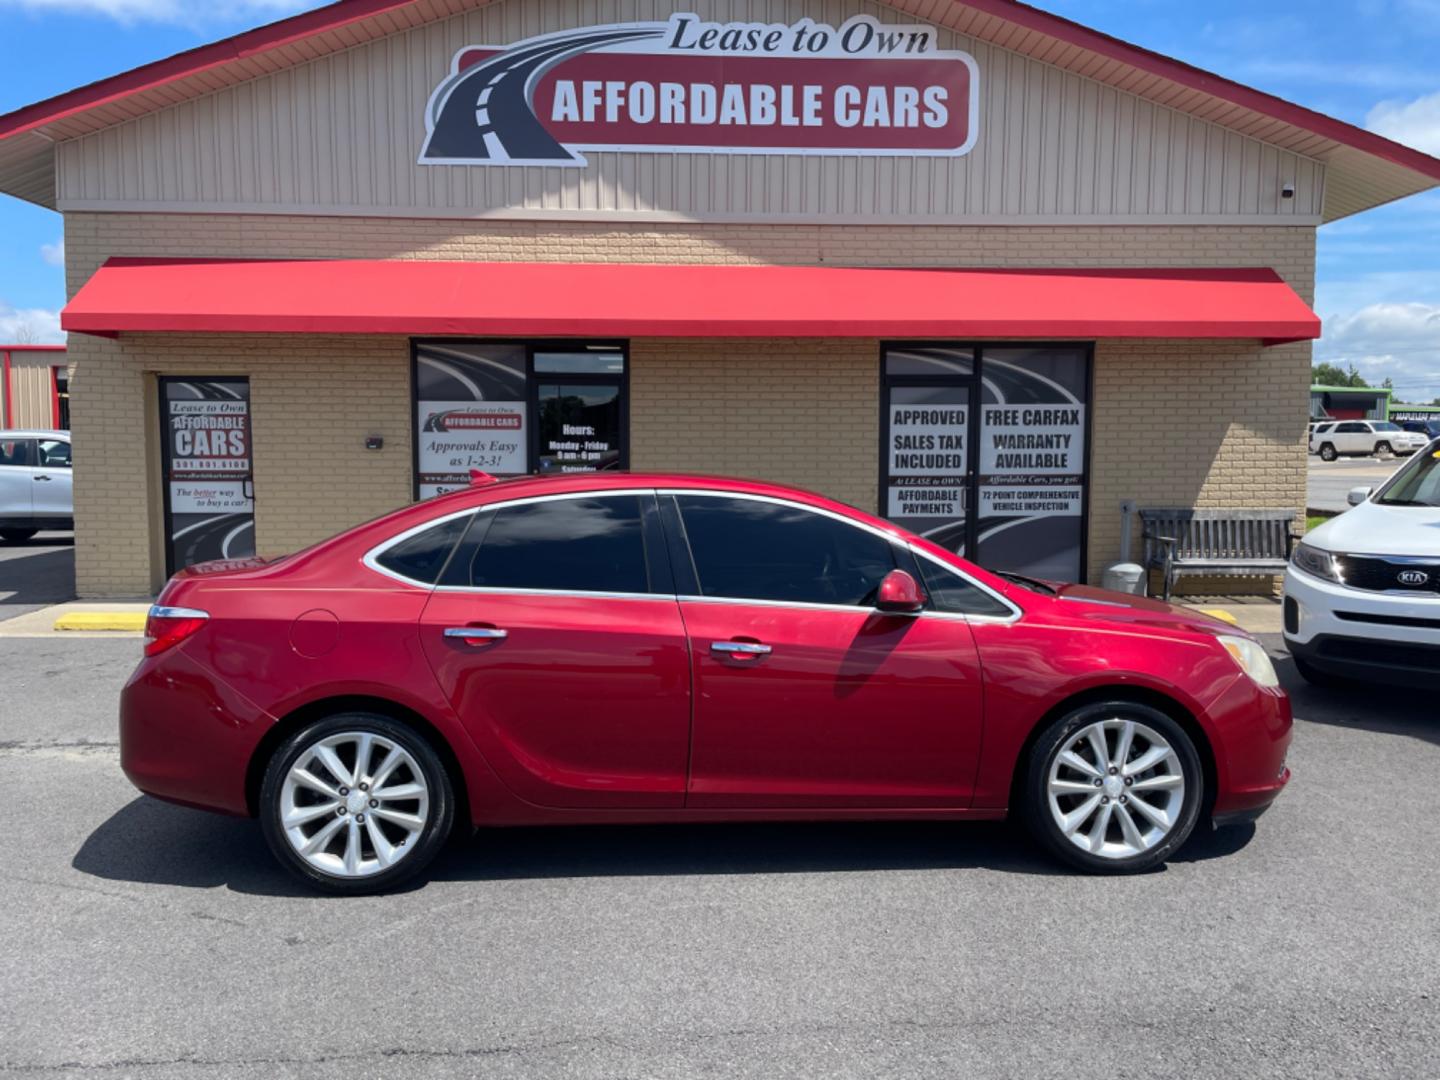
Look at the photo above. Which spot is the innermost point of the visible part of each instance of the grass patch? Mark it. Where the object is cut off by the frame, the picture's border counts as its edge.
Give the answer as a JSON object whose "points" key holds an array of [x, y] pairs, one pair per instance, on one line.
{"points": [[1314, 521]]}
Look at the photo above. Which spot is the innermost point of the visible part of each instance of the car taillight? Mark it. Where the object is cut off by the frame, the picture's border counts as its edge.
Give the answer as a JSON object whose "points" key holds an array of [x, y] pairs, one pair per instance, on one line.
{"points": [[166, 627]]}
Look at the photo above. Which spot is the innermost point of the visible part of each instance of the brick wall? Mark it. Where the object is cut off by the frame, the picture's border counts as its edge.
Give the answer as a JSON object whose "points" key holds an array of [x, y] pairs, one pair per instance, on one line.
{"points": [[1214, 424]]}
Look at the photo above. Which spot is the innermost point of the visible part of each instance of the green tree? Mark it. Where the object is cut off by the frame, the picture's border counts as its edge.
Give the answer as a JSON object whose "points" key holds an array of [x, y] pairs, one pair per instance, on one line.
{"points": [[1327, 374]]}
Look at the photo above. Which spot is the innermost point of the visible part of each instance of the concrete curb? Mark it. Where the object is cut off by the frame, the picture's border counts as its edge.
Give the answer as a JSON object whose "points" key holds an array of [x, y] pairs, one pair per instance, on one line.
{"points": [[132, 622]]}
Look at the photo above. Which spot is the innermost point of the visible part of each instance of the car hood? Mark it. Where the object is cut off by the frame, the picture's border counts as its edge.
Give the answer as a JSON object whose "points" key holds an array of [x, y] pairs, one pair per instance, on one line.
{"points": [[1373, 529], [1135, 612]]}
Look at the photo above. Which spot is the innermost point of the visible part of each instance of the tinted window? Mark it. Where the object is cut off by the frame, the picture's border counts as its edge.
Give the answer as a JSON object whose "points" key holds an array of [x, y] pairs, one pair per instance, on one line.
{"points": [[766, 551], [54, 454], [422, 556], [588, 545], [15, 452], [949, 592], [1352, 429]]}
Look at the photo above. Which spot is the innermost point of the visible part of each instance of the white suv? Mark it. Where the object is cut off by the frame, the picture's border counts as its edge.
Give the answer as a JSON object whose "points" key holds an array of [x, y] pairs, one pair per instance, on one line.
{"points": [[1364, 437], [35, 488], [1362, 592]]}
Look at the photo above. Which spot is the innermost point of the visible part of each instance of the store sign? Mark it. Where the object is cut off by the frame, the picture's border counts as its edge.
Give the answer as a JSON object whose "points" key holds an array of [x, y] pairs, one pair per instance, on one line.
{"points": [[928, 466], [209, 488], [864, 87], [456, 437]]}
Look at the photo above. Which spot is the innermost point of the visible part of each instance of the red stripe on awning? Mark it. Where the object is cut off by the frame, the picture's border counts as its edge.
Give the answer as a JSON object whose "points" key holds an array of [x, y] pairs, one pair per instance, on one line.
{"points": [[626, 300]]}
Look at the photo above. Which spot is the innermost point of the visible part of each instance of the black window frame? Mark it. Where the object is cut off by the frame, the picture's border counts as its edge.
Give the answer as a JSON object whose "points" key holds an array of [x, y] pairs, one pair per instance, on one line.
{"points": [[533, 381], [973, 381]]}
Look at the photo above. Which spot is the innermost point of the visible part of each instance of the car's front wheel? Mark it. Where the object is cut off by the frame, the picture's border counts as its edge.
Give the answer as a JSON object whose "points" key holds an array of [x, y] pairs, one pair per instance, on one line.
{"points": [[356, 803], [1113, 788], [1383, 448]]}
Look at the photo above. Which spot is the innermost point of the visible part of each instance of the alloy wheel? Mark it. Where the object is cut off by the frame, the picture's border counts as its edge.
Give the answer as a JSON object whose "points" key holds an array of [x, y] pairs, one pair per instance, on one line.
{"points": [[354, 804], [1115, 788]]}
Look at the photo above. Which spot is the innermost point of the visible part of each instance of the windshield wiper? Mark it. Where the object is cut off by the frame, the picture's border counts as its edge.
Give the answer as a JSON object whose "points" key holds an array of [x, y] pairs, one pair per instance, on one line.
{"points": [[1027, 583], [1404, 502]]}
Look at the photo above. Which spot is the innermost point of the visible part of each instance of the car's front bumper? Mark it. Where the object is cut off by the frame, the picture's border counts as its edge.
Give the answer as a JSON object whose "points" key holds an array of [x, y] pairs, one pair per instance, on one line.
{"points": [[1357, 634]]}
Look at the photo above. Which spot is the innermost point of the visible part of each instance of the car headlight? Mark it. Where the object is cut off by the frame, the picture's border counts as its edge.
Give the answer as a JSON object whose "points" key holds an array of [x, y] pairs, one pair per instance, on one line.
{"points": [[1252, 658], [1316, 562]]}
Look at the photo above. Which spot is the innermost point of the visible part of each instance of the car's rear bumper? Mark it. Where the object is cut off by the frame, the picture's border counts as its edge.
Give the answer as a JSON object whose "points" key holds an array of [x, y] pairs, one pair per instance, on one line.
{"points": [[187, 737]]}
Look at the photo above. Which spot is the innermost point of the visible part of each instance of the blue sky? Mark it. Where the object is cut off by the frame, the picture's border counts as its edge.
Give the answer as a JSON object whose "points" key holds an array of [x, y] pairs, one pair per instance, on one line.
{"points": [[1375, 63]]}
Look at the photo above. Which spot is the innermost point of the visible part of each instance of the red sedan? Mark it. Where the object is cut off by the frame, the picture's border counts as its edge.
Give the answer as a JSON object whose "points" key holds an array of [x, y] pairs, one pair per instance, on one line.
{"points": [[613, 648]]}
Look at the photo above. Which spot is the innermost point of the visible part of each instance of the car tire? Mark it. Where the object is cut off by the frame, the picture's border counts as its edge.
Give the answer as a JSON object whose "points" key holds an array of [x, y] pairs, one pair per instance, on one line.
{"points": [[1327, 452], [17, 536], [1089, 818], [379, 842], [1384, 448]]}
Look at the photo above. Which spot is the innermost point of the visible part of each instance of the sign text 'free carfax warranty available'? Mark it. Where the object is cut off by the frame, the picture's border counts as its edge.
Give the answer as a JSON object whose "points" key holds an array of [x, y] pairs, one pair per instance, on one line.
{"points": [[863, 87]]}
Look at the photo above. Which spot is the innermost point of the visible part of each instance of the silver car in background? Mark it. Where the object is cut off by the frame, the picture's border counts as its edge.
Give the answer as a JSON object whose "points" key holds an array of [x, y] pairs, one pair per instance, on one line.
{"points": [[35, 483]]}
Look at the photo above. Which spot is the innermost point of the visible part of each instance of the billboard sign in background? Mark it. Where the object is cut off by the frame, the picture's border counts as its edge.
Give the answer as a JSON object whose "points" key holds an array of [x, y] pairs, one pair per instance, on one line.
{"points": [[209, 486]]}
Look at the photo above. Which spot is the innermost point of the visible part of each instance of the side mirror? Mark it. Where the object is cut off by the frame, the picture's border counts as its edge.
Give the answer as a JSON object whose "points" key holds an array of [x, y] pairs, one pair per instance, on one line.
{"points": [[1358, 495], [899, 595]]}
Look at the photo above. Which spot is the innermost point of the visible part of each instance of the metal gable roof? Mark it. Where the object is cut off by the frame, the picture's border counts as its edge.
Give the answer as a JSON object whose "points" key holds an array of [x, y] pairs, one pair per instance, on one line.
{"points": [[1364, 169]]}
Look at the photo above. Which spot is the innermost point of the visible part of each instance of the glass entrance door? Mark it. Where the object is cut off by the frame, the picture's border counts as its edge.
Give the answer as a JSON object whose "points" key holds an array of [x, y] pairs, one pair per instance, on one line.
{"points": [[209, 476]]}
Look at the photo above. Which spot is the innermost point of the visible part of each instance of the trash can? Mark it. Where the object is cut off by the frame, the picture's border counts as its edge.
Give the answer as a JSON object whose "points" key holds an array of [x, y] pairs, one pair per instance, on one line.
{"points": [[1125, 577]]}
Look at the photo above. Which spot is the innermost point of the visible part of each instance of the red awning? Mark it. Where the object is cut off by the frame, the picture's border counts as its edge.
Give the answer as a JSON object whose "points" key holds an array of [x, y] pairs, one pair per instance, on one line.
{"points": [[622, 300]]}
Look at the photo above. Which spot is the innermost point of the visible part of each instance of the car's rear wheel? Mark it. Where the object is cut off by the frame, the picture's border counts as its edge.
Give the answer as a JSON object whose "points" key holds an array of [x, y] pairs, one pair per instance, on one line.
{"points": [[1327, 453], [17, 536], [1113, 788], [356, 803], [1383, 448]]}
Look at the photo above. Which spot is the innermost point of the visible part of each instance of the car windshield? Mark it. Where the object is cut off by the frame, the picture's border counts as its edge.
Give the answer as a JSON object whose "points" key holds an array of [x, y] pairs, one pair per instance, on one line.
{"points": [[1387, 427], [1417, 484]]}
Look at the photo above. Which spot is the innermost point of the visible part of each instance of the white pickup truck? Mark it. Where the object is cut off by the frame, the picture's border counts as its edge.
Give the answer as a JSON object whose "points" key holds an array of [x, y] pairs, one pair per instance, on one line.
{"points": [[35, 487], [1361, 438]]}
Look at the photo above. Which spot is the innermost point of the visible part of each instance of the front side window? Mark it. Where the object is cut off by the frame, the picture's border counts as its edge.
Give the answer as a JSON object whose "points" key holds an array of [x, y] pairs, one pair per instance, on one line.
{"points": [[54, 454], [750, 550], [570, 545], [956, 595]]}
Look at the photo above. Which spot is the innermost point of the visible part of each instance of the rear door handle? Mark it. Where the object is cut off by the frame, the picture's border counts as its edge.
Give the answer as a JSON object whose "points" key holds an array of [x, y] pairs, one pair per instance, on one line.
{"points": [[42, 479], [740, 648], [476, 633]]}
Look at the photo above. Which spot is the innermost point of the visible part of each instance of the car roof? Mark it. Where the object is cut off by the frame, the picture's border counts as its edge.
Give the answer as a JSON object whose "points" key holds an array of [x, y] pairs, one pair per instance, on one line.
{"points": [[35, 433]]}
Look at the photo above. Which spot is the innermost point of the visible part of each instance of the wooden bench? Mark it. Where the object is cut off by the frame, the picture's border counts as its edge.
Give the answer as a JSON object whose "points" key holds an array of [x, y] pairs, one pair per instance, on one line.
{"points": [[1216, 543]]}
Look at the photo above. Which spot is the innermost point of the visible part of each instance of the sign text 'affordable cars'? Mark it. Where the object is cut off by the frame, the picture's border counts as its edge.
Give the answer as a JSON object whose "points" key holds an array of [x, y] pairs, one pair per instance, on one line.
{"points": [[864, 87]]}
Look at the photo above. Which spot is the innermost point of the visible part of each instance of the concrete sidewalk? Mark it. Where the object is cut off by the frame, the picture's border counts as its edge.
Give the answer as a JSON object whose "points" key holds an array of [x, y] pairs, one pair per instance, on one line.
{"points": [[79, 619]]}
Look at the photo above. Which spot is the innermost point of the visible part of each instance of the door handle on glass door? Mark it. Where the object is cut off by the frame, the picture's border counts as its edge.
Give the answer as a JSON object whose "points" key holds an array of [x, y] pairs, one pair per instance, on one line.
{"points": [[476, 633], [740, 648]]}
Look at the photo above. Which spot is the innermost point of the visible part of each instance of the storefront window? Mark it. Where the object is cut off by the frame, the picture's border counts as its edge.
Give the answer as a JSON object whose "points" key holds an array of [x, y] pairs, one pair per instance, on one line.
{"points": [[985, 452], [512, 408], [209, 474]]}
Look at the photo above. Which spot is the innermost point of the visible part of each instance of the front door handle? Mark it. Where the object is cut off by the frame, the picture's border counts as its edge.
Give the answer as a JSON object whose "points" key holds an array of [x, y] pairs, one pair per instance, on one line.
{"points": [[740, 648], [42, 479], [476, 633]]}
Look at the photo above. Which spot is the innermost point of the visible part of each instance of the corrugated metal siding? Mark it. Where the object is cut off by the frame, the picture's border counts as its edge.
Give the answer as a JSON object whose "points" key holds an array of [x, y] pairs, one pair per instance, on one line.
{"points": [[343, 132], [33, 403]]}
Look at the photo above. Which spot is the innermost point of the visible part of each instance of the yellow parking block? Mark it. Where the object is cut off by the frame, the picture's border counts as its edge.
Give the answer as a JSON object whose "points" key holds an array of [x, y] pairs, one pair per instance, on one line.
{"points": [[1223, 616], [125, 621]]}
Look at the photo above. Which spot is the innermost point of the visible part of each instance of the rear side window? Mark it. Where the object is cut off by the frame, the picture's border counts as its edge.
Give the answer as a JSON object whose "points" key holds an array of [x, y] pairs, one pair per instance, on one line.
{"points": [[570, 545], [16, 452], [420, 558], [749, 550], [951, 593]]}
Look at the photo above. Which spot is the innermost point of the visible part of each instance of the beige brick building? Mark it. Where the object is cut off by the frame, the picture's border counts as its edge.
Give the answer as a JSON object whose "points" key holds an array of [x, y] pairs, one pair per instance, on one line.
{"points": [[324, 139]]}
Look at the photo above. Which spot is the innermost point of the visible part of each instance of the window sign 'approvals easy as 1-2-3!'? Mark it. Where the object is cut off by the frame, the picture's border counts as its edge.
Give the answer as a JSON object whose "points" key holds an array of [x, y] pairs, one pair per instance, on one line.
{"points": [[863, 87]]}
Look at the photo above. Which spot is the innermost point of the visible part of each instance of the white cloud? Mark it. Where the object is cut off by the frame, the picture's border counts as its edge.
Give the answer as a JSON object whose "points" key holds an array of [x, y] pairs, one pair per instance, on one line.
{"points": [[29, 326], [182, 12], [1399, 341], [1414, 123], [53, 254]]}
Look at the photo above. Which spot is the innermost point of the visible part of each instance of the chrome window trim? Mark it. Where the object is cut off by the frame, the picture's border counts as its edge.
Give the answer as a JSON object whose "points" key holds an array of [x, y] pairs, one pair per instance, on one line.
{"points": [[807, 605], [371, 558], [590, 594]]}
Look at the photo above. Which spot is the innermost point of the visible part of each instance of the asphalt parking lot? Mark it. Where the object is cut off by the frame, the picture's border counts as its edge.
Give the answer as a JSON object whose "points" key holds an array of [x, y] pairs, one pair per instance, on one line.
{"points": [[1329, 482], [145, 940], [36, 573]]}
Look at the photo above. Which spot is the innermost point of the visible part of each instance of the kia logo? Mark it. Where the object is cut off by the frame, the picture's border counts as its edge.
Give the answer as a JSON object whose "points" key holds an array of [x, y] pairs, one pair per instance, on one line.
{"points": [[1412, 577]]}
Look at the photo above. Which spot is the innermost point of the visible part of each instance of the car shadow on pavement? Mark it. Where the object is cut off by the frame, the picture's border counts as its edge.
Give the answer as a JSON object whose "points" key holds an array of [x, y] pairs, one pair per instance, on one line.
{"points": [[155, 843], [38, 579], [1377, 707]]}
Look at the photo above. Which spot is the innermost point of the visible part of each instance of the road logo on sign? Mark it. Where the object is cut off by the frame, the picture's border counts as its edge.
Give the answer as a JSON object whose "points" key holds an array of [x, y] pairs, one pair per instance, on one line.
{"points": [[864, 87]]}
